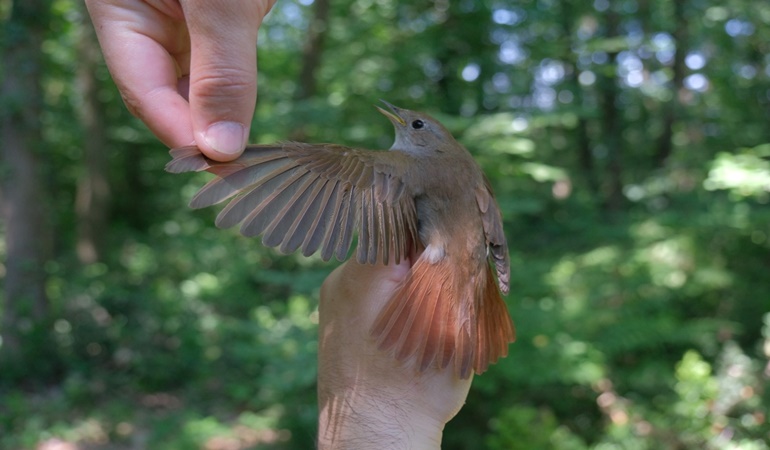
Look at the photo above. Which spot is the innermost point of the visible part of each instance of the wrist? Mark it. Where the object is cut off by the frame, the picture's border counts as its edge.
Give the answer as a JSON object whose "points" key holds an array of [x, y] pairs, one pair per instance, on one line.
{"points": [[364, 418], [367, 399]]}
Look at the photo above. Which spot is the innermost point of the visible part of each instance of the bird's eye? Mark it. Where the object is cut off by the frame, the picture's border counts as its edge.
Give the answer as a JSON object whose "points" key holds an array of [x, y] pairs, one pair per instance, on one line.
{"points": [[417, 124]]}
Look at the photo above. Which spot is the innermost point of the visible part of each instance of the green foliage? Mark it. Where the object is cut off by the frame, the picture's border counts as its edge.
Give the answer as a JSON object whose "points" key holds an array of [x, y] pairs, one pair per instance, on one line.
{"points": [[639, 282], [743, 174], [526, 428]]}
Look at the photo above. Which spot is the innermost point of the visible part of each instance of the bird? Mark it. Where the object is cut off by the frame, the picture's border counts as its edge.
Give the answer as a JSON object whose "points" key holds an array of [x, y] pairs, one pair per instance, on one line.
{"points": [[425, 200]]}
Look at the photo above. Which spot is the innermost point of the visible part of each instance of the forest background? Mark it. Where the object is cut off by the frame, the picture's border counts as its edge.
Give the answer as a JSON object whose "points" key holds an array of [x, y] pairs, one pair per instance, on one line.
{"points": [[628, 142]]}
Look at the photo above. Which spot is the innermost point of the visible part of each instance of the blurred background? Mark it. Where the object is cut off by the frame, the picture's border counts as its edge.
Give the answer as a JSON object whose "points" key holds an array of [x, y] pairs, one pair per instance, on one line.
{"points": [[628, 142]]}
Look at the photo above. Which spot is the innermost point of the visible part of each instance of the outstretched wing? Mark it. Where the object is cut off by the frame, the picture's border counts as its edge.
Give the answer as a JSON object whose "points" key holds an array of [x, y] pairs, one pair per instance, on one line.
{"points": [[493, 231], [311, 196]]}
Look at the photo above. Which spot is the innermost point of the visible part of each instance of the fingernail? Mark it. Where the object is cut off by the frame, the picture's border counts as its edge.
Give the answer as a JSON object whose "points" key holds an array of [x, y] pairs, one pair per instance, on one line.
{"points": [[226, 137]]}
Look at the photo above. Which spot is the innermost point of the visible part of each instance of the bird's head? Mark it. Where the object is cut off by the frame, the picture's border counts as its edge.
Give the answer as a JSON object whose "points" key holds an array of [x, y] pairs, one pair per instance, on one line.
{"points": [[417, 132]]}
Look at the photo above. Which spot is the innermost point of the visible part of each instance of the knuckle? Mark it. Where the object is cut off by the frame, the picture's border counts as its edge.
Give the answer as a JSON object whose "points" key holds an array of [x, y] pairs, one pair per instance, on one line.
{"points": [[223, 83], [133, 103]]}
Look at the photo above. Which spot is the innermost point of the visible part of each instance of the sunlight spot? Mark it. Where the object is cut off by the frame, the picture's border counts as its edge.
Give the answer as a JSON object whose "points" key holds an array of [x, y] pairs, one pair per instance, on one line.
{"points": [[738, 27], [519, 124], [747, 392], [635, 78], [601, 256], [629, 62], [56, 444], [587, 78], [550, 72], [696, 82], [172, 228], [659, 77], [547, 303], [336, 98], [747, 71], [664, 47], [599, 57], [506, 17], [619, 417], [662, 41], [416, 92], [695, 61], [471, 72], [601, 5], [749, 420], [501, 82], [717, 13], [634, 192], [511, 53], [62, 326], [742, 174], [292, 12], [665, 56], [606, 399], [544, 97], [675, 279]]}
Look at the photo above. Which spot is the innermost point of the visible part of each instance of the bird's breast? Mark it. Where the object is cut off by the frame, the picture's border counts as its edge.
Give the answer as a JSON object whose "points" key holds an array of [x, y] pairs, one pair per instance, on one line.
{"points": [[450, 226]]}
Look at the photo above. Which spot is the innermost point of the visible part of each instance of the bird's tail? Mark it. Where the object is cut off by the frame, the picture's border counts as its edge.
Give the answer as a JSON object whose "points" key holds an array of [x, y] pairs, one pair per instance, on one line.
{"points": [[433, 320]]}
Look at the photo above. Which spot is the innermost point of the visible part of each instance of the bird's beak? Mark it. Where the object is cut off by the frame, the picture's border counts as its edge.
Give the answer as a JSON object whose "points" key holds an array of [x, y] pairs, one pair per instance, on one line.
{"points": [[393, 116]]}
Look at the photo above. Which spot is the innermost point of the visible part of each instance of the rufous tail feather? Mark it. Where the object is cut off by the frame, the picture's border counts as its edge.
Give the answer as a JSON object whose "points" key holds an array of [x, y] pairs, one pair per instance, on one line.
{"points": [[495, 327], [432, 320]]}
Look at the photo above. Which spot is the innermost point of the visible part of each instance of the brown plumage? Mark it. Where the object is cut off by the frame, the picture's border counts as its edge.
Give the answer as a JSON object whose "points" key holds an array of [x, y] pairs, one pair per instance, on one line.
{"points": [[426, 197]]}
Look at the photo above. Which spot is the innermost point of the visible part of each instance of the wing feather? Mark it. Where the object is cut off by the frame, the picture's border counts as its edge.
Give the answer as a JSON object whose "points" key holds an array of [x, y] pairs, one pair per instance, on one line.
{"points": [[311, 197], [347, 224], [386, 242], [317, 231], [364, 229], [220, 189], [299, 229], [263, 214], [250, 198], [374, 227], [495, 236], [333, 233], [276, 233]]}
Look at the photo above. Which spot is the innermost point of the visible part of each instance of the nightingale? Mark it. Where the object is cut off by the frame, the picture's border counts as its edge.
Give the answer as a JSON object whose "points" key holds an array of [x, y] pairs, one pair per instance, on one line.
{"points": [[425, 200]]}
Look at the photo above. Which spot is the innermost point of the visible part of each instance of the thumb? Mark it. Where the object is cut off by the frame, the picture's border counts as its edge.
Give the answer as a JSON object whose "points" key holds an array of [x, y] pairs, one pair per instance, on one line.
{"points": [[223, 72]]}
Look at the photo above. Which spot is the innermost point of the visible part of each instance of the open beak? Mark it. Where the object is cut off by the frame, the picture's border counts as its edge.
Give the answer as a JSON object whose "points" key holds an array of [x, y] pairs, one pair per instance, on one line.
{"points": [[393, 116]]}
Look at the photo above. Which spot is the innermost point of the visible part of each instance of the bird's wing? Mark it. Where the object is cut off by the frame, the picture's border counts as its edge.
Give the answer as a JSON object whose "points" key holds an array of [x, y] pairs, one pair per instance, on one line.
{"points": [[311, 197], [493, 231]]}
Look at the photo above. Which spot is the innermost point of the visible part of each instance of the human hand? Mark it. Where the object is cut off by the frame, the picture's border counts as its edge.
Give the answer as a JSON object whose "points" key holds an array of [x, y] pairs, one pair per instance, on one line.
{"points": [[367, 399], [186, 68]]}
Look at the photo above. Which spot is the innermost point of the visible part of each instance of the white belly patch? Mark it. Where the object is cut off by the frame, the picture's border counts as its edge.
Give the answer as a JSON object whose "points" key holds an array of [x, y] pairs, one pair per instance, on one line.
{"points": [[434, 253]]}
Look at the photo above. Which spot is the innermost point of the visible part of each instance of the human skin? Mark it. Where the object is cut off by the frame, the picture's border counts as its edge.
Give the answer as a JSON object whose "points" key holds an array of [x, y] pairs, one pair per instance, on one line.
{"points": [[366, 399], [188, 70]]}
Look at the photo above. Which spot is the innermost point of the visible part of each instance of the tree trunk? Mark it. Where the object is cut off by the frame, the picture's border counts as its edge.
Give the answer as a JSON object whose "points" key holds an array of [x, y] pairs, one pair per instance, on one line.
{"points": [[312, 53], [671, 109], [313, 49], [568, 18], [93, 191], [612, 125], [24, 202]]}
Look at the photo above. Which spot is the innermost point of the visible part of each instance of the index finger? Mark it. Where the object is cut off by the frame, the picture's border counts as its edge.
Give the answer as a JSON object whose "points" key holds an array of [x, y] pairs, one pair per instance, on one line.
{"points": [[147, 50]]}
